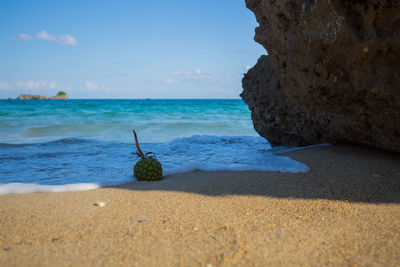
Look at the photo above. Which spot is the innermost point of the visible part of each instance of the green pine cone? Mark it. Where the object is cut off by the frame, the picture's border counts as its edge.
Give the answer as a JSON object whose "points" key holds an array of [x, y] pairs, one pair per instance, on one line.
{"points": [[148, 169]]}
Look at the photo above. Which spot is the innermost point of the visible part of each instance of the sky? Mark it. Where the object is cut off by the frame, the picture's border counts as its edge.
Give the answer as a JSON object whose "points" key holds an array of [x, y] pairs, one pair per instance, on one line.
{"points": [[126, 49]]}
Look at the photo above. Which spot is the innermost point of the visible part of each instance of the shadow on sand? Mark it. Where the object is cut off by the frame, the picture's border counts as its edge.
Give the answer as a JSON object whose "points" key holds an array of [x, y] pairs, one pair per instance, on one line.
{"points": [[337, 173]]}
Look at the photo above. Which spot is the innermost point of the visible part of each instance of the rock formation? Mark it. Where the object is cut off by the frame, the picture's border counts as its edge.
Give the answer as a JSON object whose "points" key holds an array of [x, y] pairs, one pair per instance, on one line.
{"points": [[332, 73], [59, 96], [29, 97]]}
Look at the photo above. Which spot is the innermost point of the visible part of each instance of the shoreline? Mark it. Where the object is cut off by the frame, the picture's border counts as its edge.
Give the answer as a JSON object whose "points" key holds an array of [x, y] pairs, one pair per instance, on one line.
{"points": [[344, 211], [239, 159]]}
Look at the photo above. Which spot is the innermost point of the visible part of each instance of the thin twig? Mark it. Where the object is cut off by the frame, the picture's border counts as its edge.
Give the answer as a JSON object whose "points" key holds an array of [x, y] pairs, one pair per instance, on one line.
{"points": [[140, 153]]}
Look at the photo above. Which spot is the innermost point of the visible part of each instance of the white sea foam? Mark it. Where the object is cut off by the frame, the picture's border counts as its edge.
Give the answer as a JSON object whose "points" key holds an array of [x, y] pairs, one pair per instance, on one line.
{"points": [[219, 153], [21, 188], [86, 144], [88, 164], [275, 163]]}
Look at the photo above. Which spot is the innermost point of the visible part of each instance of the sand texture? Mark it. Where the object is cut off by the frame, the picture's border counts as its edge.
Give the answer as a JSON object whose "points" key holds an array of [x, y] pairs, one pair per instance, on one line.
{"points": [[344, 212]]}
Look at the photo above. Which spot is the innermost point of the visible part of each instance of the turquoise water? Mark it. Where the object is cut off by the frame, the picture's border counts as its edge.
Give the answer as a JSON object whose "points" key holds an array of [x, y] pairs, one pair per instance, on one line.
{"points": [[112, 120], [81, 144]]}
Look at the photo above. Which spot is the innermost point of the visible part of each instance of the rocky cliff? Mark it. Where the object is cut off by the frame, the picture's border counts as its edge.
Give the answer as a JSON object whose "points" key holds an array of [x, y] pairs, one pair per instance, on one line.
{"points": [[332, 73]]}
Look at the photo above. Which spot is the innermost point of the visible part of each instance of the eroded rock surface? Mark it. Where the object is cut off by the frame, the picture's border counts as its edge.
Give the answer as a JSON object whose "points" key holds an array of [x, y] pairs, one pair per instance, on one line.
{"points": [[29, 97], [59, 96], [332, 73]]}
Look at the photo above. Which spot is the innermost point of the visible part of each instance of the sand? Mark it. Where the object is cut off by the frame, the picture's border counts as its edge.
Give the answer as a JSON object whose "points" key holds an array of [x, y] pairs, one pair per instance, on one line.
{"points": [[344, 212]]}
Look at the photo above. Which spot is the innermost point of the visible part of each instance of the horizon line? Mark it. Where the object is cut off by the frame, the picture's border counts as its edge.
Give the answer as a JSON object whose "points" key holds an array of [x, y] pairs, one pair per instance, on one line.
{"points": [[129, 99]]}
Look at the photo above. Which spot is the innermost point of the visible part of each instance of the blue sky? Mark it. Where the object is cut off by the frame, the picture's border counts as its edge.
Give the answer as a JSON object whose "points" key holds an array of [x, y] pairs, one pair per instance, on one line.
{"points": [[126, 49]]}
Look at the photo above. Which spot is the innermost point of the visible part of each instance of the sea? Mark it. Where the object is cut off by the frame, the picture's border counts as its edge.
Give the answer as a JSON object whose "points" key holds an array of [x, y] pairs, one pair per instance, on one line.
{"points": [[68, 145]]}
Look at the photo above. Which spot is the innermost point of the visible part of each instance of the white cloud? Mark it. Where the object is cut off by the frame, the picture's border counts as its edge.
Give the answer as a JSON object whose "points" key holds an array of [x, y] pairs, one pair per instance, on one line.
{"points": [[5, 86], [23, 36], [67, 39], [246, 69], [44, 35], [52, 85], [64, 39], [195, 75], [39, 84], [91, 86], [170, 81]]}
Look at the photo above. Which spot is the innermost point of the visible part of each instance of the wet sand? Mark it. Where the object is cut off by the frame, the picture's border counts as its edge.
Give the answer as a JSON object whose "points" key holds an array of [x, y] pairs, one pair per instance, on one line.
{"points": [[344, 212]]}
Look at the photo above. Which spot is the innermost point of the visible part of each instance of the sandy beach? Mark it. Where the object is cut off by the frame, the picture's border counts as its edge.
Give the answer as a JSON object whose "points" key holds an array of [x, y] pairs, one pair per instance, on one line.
{"points": [[344, 212]]}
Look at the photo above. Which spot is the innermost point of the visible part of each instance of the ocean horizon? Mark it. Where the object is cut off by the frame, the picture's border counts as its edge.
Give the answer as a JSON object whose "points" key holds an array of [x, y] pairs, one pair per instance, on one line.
{"points": [[64, 145]]}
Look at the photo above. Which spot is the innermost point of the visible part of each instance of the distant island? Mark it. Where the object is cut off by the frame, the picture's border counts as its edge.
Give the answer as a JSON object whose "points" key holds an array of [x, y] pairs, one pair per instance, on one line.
{"points": [[60, 95]]}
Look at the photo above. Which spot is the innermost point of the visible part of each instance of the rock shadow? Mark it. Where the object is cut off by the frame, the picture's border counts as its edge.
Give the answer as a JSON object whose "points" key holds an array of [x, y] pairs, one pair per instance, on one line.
{"points": [[346, 173]]}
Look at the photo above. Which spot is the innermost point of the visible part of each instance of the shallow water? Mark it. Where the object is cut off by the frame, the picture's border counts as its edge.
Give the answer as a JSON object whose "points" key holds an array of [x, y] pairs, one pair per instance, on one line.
{"points": [[88, 143], [27, 121]]}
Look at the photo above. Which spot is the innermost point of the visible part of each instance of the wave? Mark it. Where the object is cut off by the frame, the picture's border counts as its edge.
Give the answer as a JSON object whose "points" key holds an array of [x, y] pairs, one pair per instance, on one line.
{"points": [[22, 188], [111, 120], [61, 141], [70, 164]]}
